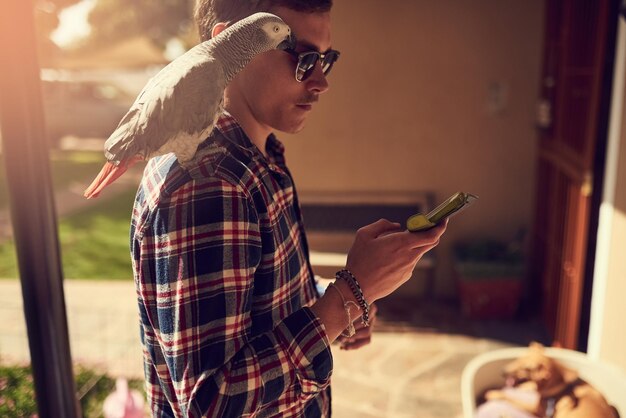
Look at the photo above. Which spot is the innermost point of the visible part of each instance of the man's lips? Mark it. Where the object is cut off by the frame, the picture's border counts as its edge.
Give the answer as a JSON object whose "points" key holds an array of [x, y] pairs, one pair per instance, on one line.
{"points": [[307, 102]]}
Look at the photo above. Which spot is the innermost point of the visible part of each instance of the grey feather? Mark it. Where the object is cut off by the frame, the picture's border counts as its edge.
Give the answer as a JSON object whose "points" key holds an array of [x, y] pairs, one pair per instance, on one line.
{"points": [[178, 107]]}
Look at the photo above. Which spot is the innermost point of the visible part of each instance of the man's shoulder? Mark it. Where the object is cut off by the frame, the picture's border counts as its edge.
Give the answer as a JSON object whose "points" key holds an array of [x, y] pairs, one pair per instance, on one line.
{"points": [[163, 175], [218, 163], [220, 159], [169, 189]]}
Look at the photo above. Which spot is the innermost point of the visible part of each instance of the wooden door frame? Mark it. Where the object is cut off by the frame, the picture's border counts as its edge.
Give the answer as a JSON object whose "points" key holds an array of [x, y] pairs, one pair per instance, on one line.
{"points": [[567, 306], [604, 121]]}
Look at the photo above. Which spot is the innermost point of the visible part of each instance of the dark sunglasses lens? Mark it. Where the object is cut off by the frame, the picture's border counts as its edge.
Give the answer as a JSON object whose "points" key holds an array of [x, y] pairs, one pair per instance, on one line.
{"points": [[329, 60], [307, 61], [306, 64]]}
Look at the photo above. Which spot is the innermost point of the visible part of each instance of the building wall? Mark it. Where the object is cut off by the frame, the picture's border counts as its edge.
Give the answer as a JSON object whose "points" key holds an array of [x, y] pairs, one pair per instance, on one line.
{"points": [[431, 95], [607, 338], [613, 335]]}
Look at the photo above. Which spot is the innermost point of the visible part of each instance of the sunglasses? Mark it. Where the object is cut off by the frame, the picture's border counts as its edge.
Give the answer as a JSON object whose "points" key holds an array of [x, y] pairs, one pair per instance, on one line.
{"points": [[307, 61]]}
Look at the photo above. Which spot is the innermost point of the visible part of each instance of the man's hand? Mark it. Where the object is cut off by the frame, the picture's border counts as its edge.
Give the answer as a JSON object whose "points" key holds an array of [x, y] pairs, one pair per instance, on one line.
{"points": [[384, 255], [382, 258]]}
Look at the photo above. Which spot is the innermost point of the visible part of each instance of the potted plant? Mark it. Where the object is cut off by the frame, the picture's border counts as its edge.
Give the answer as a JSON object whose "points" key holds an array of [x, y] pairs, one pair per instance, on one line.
{"points": [[489, 275]]}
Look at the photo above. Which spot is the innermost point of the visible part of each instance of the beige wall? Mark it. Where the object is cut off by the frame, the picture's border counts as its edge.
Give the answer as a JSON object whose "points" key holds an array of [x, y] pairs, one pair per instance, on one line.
{"points": [[431, 95], [614, 337], [611, 336]]}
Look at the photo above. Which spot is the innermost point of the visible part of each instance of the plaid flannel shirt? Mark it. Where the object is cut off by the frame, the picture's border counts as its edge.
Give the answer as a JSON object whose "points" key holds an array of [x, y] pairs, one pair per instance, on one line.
{"points": [[223, 281]]}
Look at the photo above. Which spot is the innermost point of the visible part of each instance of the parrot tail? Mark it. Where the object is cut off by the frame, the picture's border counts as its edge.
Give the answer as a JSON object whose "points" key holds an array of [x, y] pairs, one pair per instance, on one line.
{"points": [[109, 173]]}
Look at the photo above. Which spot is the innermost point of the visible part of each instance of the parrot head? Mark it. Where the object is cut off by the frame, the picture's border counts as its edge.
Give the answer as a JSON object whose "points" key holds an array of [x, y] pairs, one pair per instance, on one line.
{"points": [[266, 31], [260, 32], [272, 32]]}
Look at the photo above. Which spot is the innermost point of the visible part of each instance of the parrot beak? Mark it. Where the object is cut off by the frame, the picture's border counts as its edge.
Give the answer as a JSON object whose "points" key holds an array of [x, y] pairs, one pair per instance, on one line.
{"points": [[288, 43]]}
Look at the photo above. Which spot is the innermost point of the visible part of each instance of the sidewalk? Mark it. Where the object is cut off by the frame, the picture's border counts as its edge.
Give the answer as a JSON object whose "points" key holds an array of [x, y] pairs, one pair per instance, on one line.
{"points": [[412, 368], [102, 320]]}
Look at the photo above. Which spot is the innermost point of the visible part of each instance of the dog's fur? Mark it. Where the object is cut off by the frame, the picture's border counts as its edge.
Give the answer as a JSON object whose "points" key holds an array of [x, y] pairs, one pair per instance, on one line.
{"points": [[562, 394]]}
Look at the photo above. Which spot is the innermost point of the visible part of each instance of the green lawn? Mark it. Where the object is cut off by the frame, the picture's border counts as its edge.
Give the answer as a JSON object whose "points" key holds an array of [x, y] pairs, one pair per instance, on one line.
{"points": [[94, 243]]}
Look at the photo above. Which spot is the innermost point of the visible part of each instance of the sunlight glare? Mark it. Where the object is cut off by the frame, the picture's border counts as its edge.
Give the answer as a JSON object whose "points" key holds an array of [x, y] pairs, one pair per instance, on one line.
{"points": [[73, 23]]}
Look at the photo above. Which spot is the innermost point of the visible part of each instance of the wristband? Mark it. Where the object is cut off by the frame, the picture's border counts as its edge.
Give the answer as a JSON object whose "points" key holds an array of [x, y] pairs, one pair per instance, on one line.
{"points": [[350, 330], [346, 275]]}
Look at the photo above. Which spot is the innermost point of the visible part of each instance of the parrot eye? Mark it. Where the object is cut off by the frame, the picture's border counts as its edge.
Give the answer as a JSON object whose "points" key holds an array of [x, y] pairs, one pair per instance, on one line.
{"points": [[276, 29]]}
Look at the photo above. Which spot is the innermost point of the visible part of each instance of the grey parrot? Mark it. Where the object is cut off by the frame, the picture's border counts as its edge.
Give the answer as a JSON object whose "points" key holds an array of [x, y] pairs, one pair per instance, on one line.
{"points": [[178, 107]]}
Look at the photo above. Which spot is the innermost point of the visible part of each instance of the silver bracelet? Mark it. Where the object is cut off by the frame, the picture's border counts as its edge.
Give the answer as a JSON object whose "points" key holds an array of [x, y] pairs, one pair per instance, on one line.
{"points": [[350, 331], [347, 275]]}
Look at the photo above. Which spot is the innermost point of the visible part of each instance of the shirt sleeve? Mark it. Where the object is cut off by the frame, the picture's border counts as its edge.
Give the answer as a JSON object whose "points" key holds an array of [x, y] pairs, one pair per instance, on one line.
{"points": [[197, 259]]}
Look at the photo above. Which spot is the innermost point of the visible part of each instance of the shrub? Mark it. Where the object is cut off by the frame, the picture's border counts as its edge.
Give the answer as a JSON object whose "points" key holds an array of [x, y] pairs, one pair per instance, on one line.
{"points": [[17, 393]]}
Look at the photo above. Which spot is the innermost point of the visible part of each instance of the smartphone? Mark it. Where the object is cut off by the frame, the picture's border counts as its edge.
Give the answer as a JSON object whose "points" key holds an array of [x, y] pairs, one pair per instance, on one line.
{"points": [[449, 207]]}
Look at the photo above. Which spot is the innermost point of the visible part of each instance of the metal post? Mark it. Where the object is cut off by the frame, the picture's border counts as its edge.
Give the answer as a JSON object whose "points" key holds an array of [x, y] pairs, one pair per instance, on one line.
{"points": [[33, 212]]}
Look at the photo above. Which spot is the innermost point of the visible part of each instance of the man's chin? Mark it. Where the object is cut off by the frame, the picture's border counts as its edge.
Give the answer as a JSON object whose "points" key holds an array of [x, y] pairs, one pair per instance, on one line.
{"points": [[291, 131], [293, 126]]}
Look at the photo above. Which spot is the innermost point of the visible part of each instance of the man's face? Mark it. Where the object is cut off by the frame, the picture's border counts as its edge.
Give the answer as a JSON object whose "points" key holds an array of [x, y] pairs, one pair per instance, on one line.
{"points": [[267, 87]]}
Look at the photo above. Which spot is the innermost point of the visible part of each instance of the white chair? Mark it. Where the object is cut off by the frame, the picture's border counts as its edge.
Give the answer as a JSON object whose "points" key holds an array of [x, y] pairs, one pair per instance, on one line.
{"points": [[485, 372]]}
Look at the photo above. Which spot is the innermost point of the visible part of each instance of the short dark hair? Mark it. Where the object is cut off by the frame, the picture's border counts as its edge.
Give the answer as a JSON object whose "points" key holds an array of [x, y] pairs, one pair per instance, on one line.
{"points": [[210, 12]]}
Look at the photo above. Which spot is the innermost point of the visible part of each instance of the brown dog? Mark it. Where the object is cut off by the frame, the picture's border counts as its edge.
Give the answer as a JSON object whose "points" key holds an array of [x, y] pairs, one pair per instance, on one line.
{"points": [[562, 394]]}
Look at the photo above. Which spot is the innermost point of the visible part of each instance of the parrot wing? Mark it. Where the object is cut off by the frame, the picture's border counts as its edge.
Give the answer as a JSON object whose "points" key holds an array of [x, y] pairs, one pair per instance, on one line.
{"points": [[183, 99]]}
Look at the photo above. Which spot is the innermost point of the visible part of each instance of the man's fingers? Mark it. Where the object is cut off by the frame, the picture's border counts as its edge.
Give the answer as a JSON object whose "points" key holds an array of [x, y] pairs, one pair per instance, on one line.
{"points": [[373, 311], [356, 344], [380, 227], [429, 238]]}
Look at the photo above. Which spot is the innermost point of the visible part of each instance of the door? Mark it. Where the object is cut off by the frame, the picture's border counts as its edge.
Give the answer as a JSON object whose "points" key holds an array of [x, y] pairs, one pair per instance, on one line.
{"points": [[578, 36]]}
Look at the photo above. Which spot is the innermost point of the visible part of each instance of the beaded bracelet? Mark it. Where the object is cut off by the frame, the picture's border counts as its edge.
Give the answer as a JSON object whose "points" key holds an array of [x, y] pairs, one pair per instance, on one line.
{"points": [[350, 331], [346, 275]]}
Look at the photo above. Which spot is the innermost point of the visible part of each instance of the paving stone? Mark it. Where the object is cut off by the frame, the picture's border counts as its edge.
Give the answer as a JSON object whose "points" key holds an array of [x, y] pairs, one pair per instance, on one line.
{"points": [[362, 395], [340, 410], [428, 408], [410, 369], [441, 382]]}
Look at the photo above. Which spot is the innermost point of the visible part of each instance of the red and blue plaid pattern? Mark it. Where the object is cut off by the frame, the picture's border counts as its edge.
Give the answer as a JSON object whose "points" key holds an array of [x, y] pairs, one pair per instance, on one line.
{"points": [[223, 281]]}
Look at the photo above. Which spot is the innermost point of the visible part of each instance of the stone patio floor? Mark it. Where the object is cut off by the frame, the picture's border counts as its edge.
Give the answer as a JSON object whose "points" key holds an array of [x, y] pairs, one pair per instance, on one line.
{"points": [[412, 368]]}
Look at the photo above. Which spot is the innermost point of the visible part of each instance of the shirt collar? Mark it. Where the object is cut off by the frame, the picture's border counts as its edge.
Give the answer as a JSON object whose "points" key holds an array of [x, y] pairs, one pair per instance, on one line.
{"points": [[230, 128]]}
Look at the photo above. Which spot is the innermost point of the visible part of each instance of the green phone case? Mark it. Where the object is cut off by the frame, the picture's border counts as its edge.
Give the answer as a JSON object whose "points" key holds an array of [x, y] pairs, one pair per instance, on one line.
{"points": [[450, 206]]}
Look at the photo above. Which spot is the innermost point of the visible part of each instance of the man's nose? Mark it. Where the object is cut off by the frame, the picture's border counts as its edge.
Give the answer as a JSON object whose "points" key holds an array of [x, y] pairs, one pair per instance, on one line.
{"points": [[317, 82]]}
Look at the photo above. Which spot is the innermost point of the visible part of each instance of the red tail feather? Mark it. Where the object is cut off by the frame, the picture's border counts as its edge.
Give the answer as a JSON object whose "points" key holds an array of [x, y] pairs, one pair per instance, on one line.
{"points": [[107, 175]]}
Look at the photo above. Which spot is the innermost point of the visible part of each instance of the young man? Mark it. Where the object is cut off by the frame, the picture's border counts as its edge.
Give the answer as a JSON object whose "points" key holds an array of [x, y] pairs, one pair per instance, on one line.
{"points": [[231, 322]]}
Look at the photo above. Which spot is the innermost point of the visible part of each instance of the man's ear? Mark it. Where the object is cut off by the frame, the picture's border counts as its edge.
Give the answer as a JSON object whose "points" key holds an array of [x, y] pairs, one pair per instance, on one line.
{"points": [[219, 27]]}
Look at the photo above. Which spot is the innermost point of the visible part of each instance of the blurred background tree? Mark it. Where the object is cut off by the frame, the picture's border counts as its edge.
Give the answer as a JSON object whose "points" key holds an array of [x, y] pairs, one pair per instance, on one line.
{"points": [[113, 21], [46, 21], [161, 21]]}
